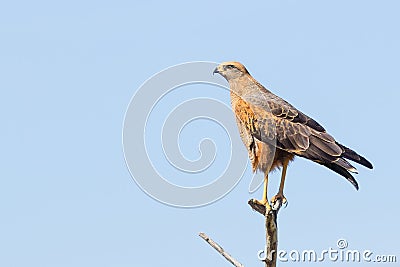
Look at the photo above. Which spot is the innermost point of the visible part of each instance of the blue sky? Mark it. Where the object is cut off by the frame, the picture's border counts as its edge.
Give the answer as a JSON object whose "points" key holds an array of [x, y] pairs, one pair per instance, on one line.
{"points": [[69, 69]]}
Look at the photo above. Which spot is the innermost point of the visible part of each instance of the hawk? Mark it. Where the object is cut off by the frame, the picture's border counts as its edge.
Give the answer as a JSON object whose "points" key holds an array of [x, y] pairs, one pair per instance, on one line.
{"points": [[274, 132]]}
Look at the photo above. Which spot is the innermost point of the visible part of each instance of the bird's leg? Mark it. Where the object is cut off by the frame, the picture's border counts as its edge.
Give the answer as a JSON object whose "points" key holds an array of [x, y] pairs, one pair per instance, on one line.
{"points": [[264, 200], [282, 184]]}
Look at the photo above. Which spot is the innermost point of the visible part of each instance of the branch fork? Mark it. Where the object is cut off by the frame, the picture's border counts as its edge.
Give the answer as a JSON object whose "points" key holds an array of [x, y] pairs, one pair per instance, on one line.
{"points": [[271, 229]]}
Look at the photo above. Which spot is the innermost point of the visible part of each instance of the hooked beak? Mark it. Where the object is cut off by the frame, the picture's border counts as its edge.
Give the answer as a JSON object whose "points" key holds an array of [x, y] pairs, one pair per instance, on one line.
{"points": [[215, 70]]}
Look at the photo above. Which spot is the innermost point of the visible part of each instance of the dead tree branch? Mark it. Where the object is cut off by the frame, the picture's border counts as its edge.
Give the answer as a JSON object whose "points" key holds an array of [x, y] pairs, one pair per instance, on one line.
{"points": [[221, 250], [271, 230]]}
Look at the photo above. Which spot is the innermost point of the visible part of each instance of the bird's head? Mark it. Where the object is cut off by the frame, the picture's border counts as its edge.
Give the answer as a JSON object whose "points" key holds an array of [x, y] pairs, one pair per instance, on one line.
{"points": [[231, 70]]}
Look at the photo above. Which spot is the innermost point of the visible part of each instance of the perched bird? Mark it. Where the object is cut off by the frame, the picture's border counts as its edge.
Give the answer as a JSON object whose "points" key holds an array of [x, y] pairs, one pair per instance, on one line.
{"points": [[274, 132]]}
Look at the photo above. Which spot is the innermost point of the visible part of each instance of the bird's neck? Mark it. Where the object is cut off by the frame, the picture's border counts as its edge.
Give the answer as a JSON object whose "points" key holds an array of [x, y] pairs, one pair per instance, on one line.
{"points": [[244, 85]]}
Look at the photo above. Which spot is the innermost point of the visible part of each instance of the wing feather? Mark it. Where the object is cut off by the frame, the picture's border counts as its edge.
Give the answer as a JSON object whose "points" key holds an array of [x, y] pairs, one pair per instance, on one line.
{"points": [[330, 148]]}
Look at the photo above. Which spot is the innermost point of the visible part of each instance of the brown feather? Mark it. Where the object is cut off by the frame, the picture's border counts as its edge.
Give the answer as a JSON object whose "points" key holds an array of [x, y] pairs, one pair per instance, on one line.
{"points": [[274, 131]]}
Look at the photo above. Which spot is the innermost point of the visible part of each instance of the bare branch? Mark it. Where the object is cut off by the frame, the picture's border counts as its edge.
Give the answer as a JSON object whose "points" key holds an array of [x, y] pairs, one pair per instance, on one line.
{"points": [[220, 250], [271, 229]]}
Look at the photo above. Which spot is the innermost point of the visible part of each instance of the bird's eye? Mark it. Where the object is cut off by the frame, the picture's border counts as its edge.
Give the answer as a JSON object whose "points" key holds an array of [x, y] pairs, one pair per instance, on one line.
{"points": [[230, 66]]}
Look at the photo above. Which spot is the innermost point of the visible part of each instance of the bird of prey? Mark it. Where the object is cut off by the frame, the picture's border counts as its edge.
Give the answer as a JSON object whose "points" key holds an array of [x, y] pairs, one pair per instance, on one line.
{"points": [[274, 132]]}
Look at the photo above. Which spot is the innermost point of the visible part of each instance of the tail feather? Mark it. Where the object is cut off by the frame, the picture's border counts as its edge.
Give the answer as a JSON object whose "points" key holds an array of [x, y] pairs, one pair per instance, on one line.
{"points": [[342, 171], [352, 155], [346, 165], [319, 155]]}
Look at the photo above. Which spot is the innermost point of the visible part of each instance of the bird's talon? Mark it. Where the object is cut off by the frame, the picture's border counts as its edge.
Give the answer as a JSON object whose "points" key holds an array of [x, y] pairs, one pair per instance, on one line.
{"points": [[280, 197], [263, 203]]}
